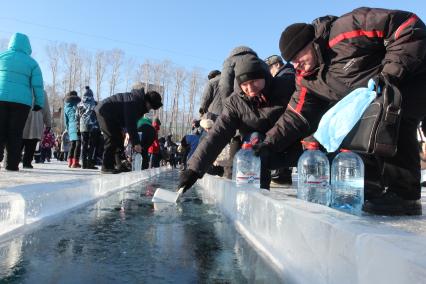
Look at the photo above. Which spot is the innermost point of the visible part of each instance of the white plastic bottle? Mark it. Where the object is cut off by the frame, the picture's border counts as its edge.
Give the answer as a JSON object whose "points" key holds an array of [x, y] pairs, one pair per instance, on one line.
{"points": [[313, 170], [246, 167], [347, 182], [136, 162]]}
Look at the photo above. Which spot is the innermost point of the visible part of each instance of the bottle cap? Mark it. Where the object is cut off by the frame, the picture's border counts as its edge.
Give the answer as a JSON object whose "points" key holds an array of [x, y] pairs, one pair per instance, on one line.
{"points": [[310, 145], [246, 145]]}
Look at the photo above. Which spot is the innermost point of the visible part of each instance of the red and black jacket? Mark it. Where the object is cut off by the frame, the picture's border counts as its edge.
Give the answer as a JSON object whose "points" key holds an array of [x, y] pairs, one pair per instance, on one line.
{"points": [[351, 49]]}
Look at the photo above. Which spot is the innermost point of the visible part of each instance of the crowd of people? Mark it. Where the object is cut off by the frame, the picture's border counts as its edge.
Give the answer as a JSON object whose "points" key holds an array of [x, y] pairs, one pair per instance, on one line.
{"points": [[271, 103]]}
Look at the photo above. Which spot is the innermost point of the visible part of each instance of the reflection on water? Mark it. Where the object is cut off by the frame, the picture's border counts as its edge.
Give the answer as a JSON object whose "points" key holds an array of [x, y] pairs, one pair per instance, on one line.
{"points": [[123, 239]]}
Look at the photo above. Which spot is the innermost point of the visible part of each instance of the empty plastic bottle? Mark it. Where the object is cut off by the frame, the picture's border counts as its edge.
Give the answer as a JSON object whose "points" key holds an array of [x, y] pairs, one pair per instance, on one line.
{"points": [[347, 182], [313, 171], [136, 162], [246, 167]]}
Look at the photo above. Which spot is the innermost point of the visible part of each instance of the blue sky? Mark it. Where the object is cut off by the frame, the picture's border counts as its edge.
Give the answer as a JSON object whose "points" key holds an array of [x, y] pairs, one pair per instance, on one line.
{"points": [[189, 33]]}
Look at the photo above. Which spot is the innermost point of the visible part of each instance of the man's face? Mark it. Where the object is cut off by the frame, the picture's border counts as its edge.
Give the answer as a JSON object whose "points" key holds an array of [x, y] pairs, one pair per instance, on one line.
{"points": [[253, 88], [274, 68], [305, 60]]}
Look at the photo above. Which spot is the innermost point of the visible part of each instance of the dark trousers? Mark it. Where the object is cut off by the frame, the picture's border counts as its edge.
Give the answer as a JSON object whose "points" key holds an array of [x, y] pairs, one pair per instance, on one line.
{"points": [[46, 154], [154, 160], [28, 146], [401, 173], [12, 121], [75, 150], [113, 141], [90, 142]]}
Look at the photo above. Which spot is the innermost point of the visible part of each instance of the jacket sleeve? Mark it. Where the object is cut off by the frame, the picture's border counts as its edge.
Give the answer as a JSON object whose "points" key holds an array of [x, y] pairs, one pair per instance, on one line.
{"points": [[405, 41], [207, 96], [299, 120], [47, 118], [37, 85], [131, 112], [223, 130]]}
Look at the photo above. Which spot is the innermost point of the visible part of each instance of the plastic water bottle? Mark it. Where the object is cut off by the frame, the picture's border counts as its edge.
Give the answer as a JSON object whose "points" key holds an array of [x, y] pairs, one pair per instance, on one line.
{"points": [[313, 171], [347, 182], [136, 162], [246, 167]]}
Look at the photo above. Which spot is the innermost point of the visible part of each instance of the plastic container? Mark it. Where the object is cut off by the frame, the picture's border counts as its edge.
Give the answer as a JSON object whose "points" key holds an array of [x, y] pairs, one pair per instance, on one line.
{"points": [[246, 167], [313, 169], [347, 182], [136, 162]]}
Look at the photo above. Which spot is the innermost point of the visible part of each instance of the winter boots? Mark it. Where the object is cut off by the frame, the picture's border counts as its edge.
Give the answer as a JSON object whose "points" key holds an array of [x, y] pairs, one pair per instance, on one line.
{"points": [[73, 163]]}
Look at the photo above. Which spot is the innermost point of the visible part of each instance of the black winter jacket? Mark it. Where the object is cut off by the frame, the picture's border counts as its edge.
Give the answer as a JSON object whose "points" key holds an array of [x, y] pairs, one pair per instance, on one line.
{"points": [[211, 100], [243, 114], [124, 109], [351, 50]]}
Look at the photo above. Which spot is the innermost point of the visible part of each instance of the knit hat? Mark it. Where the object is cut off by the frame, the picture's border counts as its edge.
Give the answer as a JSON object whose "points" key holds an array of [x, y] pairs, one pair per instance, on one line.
{"points": [[206, 123], [294, 38], [73, 94], [271, 60], [249, 69], [213, 74], [154, 99]]}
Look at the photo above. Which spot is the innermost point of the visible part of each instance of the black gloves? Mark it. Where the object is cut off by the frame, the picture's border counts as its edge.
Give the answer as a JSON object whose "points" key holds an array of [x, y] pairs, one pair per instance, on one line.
{"points": [[36, 108], [187, 179], [201, 111], [261, 149]]}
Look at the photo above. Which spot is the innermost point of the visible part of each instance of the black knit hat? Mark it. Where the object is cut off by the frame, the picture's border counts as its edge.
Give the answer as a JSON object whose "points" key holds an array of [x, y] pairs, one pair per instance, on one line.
{"points": [[154, 99], [250, 69], [213, 74], [294, 38]]}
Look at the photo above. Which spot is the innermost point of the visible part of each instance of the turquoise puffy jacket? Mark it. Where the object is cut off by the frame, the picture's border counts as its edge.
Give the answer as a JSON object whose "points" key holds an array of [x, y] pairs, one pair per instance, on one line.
{"points": [[20, 74]]}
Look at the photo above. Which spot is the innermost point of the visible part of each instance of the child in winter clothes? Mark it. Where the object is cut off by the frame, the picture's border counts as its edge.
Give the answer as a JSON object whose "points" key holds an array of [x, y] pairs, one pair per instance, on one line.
{"points": [[47, 142], [65, 145], [71, 124], [89, 128]]}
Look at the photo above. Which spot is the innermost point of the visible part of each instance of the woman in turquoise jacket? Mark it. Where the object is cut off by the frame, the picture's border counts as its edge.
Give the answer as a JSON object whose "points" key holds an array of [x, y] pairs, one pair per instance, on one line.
{"points": [[20, 81], [72, 125]]}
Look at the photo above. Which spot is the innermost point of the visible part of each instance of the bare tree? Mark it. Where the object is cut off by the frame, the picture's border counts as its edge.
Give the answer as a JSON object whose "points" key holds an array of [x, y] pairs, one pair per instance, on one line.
{"points": [[130, 67], [115, 58], [179, 78], [100, 69], [194, 91], [53, 55], [86, 78], [72, 63]]}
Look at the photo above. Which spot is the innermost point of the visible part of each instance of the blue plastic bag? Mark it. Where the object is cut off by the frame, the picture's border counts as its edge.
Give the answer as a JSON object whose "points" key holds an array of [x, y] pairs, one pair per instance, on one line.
{"points": [[338, 121]]}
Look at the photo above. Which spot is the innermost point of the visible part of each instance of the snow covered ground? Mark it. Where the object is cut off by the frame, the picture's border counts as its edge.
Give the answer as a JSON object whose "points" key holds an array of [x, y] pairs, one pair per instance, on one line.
{"points": [[310, 243], [30, 195]]}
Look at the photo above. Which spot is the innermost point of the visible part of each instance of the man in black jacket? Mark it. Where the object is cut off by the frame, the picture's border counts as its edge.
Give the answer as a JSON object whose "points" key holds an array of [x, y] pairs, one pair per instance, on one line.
{"points": [[255, 109], [334, 56], [121, 112], [211, 100]]}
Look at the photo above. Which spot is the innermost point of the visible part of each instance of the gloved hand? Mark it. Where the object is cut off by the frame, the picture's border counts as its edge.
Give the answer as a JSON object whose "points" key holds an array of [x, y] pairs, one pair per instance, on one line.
{"points": [[262, 149], [201, 111], [187, 179], [36, 108]]}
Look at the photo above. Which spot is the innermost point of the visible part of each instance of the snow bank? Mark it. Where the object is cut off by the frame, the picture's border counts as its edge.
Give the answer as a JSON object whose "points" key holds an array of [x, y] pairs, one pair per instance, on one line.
{"points": [[26, 204], [310, 243]]}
